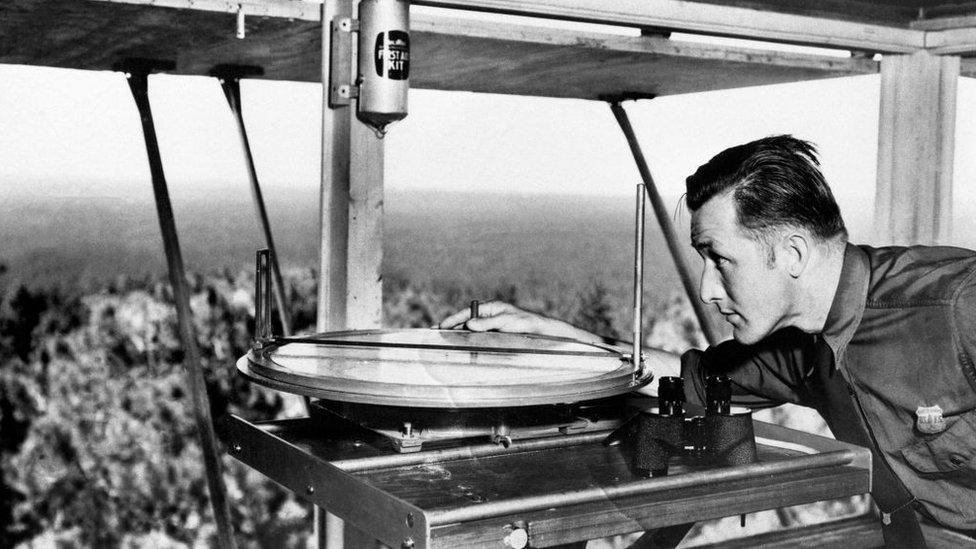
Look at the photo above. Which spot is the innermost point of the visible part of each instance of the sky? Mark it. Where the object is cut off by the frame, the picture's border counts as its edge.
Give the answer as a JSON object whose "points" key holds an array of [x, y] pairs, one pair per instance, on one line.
{"points": [[76, 133]]}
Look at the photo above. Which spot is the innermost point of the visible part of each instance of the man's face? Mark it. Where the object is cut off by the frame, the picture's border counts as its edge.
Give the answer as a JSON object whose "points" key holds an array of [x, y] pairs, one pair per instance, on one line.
{"points": [[749, 288]]}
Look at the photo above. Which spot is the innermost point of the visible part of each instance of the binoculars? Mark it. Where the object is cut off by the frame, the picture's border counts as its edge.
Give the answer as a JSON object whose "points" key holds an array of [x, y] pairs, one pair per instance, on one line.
{"points": [[722, 437]]}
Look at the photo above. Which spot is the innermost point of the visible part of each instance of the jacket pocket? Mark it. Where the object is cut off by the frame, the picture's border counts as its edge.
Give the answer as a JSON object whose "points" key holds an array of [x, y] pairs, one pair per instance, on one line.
{"points": [[948, 454]]}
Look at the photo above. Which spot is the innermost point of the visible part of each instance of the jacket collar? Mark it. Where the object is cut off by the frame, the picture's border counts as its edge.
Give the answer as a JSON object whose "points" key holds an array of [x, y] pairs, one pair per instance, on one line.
{"points": [[849, 300]]}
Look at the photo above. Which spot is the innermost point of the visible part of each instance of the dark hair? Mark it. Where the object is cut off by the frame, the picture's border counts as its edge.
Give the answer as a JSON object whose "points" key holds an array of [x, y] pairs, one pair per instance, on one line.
{"points": [[776, 182]]}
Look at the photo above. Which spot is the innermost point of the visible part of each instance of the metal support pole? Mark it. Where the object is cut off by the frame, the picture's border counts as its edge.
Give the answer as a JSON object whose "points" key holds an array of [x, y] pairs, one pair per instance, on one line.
{"points": [[639, 282], [670, 236], [229, 77], [137, 77]]}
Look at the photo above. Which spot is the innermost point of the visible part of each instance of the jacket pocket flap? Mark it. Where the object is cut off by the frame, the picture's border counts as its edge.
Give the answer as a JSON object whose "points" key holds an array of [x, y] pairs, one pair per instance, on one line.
{"points": [[948, 451]]}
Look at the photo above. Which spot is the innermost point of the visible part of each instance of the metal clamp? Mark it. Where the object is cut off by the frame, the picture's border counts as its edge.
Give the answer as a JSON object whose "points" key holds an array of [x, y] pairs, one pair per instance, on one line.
{"points": [[342, 88]]}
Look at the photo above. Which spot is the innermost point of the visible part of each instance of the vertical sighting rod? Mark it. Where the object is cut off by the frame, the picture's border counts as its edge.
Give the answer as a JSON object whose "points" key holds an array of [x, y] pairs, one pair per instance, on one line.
{"points": [[263, 330], [232, 90], [670, 236], [639, 281], [138, 83]]}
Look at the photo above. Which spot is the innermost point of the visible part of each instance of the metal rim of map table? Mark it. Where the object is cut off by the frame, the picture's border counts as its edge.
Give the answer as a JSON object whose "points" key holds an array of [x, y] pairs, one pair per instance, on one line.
{"points": [[443, 368]]}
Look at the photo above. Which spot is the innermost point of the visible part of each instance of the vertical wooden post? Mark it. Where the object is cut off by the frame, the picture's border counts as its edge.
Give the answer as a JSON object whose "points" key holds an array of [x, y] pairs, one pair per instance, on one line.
{"points": [[364, 299], [334, 197], [334, 227], [916, 140], [351, 243]]}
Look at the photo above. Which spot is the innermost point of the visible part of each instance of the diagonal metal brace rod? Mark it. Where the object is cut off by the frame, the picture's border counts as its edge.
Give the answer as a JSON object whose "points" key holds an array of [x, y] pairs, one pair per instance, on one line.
{"points": [[661, 213], [137, 72], [230, 80], [441, 347], [229, 77]]}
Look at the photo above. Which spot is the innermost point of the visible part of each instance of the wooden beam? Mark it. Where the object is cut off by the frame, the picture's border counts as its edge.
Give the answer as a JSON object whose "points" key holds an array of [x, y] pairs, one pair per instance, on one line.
{"points": [[704, 18], [967, 68], [678, 15], [960, 41], [647, 44], [944, 23], [916, 139], [285, 9]]}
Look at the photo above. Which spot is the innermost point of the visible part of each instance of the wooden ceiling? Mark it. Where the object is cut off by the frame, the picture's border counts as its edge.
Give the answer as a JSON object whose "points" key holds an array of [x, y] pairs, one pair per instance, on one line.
{"points": [[447, 53], [901, 13]]}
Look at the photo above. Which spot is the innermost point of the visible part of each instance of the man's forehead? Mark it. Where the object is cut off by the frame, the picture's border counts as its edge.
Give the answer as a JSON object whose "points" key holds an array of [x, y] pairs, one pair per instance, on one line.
{"points": [[716, 219]]}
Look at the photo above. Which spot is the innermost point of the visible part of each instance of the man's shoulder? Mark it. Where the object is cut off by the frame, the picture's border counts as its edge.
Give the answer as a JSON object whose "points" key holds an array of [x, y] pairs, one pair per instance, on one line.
{"points": [[917, 275]]}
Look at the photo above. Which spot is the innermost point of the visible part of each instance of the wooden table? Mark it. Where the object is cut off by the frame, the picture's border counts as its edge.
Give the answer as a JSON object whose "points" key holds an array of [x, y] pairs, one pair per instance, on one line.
{"points": [[553, 491]]}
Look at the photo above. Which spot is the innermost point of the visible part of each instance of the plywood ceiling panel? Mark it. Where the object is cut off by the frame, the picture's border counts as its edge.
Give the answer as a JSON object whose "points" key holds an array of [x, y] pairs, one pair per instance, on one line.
{"points": [[447, 54]]}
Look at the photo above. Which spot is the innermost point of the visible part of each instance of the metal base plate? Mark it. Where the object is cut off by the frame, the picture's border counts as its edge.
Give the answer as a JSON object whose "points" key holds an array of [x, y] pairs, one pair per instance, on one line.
{"points": [[410, 429]]}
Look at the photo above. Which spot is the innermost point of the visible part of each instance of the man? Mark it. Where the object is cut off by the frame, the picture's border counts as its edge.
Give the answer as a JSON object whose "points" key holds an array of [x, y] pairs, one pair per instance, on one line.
{"points": [[881, 341]]}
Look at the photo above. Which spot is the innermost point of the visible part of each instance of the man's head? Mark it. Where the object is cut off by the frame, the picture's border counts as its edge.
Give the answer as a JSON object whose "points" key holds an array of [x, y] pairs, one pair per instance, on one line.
{"points": [[760, 212]]}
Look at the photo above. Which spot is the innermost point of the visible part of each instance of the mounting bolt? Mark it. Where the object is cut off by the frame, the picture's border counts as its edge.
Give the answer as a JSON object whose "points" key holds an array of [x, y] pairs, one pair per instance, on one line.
{"points": [[407, 429], [407, 544], [310, 489], [237, 448], [410, 520], [518, 538]]}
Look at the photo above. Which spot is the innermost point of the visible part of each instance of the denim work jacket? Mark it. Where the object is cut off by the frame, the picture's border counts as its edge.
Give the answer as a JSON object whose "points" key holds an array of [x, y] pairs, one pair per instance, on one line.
{"points": [[901, 332]]}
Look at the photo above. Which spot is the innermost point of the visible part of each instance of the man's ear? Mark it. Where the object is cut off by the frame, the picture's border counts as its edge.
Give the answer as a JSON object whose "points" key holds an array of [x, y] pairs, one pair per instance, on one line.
{"points": [[796, 249]]}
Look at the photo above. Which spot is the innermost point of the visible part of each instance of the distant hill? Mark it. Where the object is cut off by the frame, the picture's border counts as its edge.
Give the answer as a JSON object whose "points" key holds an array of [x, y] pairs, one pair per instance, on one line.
{"points": [[544, 245], [482, 241]]}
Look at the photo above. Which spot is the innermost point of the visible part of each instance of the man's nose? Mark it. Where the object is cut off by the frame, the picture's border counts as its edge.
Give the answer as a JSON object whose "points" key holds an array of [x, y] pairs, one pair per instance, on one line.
{"points": [[710, 289]]}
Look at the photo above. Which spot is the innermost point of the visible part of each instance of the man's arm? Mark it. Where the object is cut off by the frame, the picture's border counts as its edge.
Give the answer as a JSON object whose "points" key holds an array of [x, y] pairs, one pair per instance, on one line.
{"points": [[776, 369]]}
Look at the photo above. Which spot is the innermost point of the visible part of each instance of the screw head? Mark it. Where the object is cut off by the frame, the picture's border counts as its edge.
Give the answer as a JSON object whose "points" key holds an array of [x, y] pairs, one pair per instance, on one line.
{"points": [[517, 539]]}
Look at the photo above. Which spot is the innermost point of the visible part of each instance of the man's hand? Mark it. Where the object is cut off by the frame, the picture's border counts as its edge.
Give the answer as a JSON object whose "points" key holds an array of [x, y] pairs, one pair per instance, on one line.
{"points": [[503, 317]]}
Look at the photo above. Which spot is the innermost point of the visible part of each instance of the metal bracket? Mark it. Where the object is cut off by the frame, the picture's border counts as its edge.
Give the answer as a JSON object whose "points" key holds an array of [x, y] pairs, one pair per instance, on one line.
{"points": [[230, 71], [142, 66], [342, 87]]}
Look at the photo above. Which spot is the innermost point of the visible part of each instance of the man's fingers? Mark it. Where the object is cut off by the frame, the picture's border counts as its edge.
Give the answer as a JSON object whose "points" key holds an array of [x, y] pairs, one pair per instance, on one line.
{"points": [[455, 320], [485, 310], [501, 322]]}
